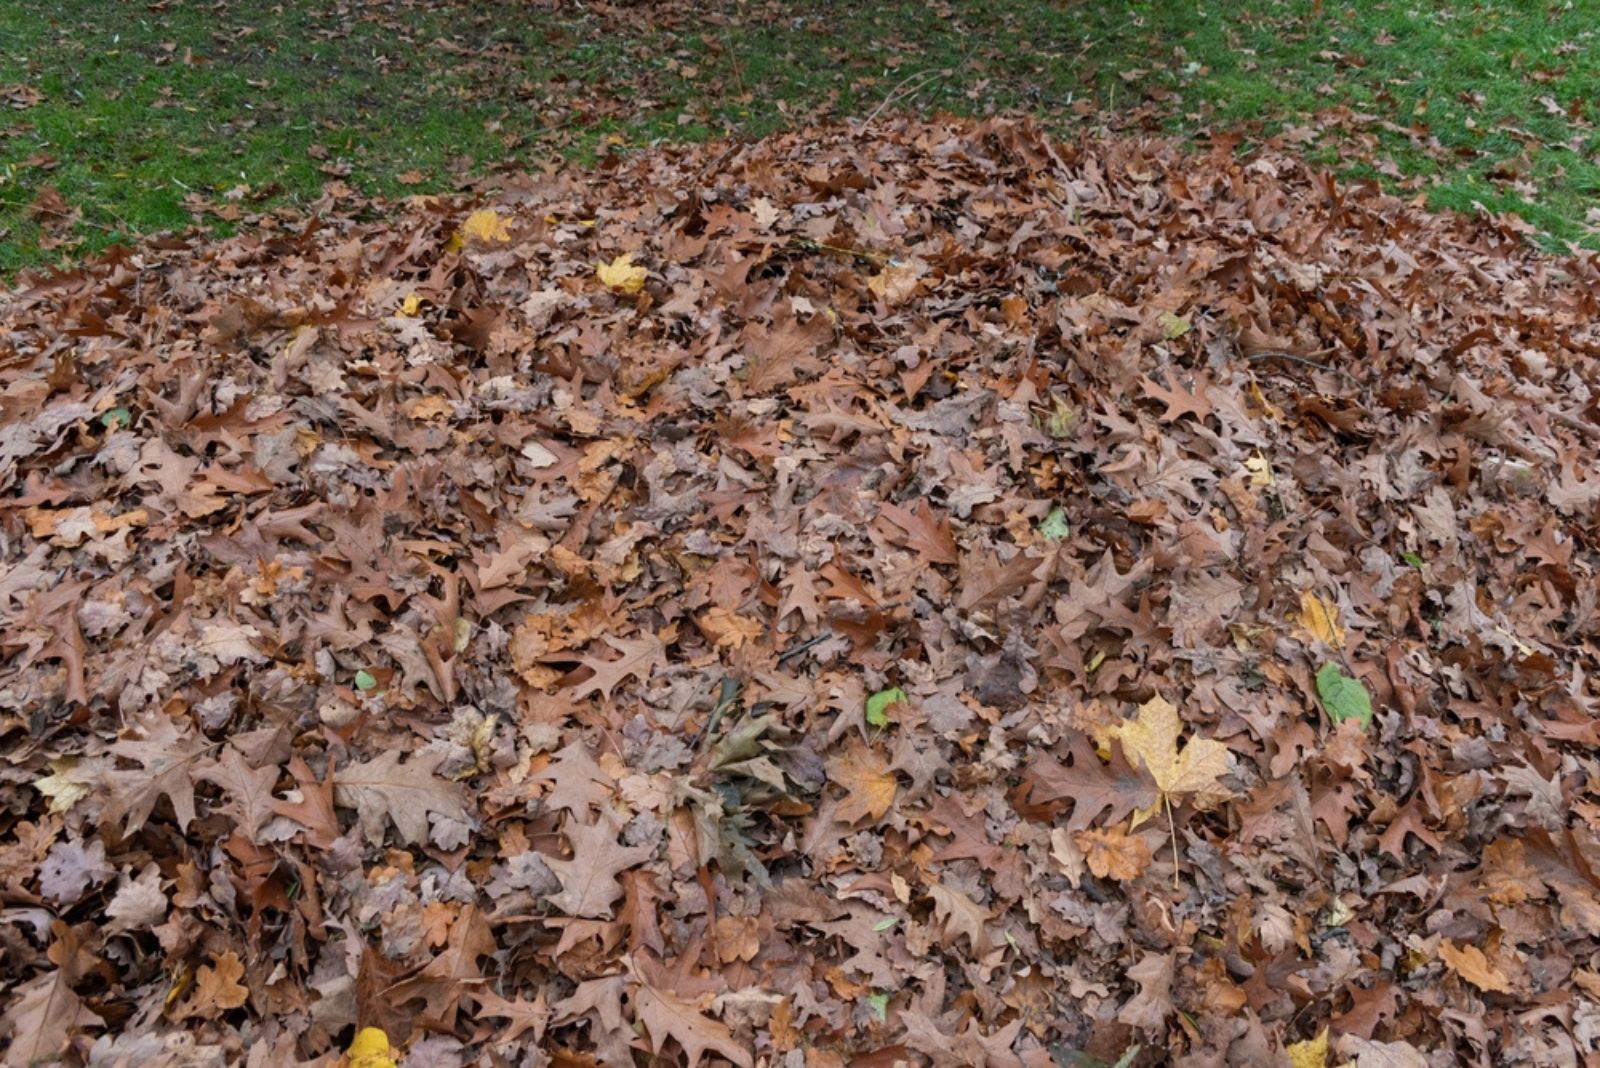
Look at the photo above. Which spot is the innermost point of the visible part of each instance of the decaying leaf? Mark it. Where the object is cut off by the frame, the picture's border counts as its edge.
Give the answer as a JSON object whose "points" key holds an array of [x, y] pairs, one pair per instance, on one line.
{"points": [[383, 790]]}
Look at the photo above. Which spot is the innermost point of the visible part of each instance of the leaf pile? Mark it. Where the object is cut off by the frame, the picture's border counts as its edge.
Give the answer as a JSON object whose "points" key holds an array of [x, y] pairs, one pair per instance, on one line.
{"points": [[463, 625]]}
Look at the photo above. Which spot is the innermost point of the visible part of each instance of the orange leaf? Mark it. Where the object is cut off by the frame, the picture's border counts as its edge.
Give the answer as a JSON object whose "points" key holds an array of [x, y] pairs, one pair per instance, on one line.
{"points": [[869, 783], [1113, 853]]}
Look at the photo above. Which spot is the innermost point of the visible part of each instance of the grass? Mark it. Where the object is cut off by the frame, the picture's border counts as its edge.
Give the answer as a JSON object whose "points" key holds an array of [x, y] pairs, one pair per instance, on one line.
{"points": [[151, 116]]}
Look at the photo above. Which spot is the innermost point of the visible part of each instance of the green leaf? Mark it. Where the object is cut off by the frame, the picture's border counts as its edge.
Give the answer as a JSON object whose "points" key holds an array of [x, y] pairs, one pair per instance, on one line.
{"points": [[880, 1005], [878, 705], [366, 680], [886, 923], [1413, 559], [1055, 526], [1343, 697], [1172, 326], [115, 418]]}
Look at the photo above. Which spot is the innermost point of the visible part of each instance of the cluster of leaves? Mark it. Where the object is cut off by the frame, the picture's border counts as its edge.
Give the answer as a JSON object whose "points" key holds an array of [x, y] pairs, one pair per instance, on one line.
{"points": [[937, 595]]}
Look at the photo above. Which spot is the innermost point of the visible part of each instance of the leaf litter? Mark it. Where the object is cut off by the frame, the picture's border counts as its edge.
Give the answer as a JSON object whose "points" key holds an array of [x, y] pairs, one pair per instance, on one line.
{"points": [[444, 635]]}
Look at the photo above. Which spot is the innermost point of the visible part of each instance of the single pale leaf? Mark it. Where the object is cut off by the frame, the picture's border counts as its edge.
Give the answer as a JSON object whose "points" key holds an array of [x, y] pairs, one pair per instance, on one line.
{"points": [[1055, 526], [878, 705], [1172, 326], [1312, 1053], [621, 274], [115, 418], [1470, 963], [365, 680], [485, 225], [1343, 697], [411, 306], [1321, 620]]}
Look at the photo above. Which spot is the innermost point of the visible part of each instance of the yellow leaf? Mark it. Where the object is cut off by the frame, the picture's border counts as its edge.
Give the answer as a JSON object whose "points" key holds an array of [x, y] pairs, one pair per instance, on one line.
{"points": [[621, 274], [370, 1049], [1260, 469], [411, 306], [1470, 963], [1312, 1053], [728, 630], [1152, 740], [1321, 620], [484, 225], [61, 786]]}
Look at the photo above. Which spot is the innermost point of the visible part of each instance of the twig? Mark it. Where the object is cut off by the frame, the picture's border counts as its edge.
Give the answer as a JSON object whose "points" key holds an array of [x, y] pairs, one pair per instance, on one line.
{"points": [[795, 650], [905, 89]]}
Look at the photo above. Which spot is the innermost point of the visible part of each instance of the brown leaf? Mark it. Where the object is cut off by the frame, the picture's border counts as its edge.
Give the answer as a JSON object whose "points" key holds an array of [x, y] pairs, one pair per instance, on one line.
{"points": [[639, 657], [384, 790], [1113, 853], [918, 529], [869, 785], [168, 764], [665, 1016], [589, 884]]}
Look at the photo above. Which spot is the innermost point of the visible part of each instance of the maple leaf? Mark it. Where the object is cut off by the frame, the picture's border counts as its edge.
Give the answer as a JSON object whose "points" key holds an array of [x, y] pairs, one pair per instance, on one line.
{"points": [[960, 915], [1152, 740], [870, 785], [589, 885], [383, 789], [168, 763], [666, 1015], [622, 274], [639, 657]]}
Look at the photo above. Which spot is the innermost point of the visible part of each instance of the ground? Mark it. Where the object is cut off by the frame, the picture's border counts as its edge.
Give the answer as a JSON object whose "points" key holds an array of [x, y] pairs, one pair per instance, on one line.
{"points": [[148, 117], [893, 590]]}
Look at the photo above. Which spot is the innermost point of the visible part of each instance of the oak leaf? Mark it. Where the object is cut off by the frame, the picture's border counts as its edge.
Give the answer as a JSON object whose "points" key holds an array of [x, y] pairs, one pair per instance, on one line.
{"points": [[1113, 853], [1093, 786], [249, 790], [665, 1015], [918, 529], [639, 657], [405, 794], [44, 1013], [443, 980], [1470, 963], [589, 885], [167, 758], [217, 989]]}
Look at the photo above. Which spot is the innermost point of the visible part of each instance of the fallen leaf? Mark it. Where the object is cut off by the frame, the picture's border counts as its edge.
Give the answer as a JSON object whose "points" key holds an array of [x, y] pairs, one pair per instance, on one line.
{"points": [[869, 785], [1113, 853], [383, 790], [1470, 963], [622, 274]]}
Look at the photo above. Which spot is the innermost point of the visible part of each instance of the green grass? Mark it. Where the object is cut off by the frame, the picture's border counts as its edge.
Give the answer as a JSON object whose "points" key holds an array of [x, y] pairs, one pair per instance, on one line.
{"points": [[160, 115]]}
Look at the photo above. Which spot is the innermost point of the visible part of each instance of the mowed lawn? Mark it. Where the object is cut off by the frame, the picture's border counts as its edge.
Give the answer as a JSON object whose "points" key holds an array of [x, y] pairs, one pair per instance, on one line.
{"points": [[121, 119]]}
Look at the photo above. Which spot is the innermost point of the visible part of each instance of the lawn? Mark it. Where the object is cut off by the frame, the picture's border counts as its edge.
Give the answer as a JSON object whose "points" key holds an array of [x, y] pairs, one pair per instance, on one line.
{"points": [[123, 119]]}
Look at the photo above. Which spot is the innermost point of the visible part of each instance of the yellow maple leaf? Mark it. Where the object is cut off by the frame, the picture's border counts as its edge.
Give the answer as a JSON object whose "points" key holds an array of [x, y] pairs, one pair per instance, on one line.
{"points": [[1321, 620], [487, 226], [370, 1049], [1151, 739], [411, 306], [1312, 1053], [622, 274], [1470, 963]]}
